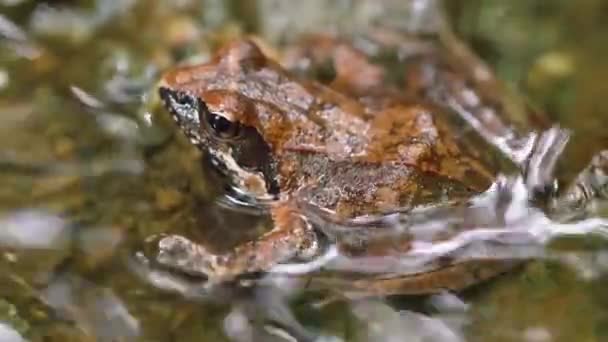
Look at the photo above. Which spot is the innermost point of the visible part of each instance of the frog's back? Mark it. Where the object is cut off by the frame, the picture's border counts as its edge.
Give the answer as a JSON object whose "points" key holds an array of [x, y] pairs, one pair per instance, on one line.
{"points": [[413, 148], [354, 155], [360, 154]]}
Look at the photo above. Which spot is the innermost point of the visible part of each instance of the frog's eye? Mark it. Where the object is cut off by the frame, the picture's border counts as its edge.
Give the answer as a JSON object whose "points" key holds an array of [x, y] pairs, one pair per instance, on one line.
{"points": [[223, 127]]}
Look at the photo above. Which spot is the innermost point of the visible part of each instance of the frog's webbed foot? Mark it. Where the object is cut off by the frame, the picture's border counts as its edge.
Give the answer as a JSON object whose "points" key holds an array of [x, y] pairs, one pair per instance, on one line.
{"points": [[168, 281], [292, 237], [539, 176], [590, 184], [187, 256]]}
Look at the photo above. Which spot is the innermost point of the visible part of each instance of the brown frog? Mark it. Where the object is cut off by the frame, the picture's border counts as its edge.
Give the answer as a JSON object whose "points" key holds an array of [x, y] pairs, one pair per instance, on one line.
{"points": [[350, 147]]}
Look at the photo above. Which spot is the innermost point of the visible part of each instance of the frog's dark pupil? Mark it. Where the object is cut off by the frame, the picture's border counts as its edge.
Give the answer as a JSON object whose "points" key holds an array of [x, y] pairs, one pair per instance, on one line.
{"points": [[219, 123]]}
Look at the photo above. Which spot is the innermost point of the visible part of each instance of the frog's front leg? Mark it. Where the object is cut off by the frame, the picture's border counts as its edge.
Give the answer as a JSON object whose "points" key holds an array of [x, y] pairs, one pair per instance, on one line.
{"points": [[291, 237]]}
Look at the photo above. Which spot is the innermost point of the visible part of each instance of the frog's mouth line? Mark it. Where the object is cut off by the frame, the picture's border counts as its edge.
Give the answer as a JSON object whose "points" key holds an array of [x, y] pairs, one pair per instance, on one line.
{"points": [[251, 189], [236, 199]]}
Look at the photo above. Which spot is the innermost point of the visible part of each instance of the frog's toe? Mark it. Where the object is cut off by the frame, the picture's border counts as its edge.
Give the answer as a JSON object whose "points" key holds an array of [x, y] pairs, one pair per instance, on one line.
{"points": [[177, 252], [173, 248]]}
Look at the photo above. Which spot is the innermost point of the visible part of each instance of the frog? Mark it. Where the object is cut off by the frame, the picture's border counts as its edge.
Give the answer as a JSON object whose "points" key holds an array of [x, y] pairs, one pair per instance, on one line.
{"points": [[351, 147]]}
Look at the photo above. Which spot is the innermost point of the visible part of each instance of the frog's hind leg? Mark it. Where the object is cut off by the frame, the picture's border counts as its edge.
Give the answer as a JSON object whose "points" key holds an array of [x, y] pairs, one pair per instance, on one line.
{"points": [[457, 79], [291, 237]]}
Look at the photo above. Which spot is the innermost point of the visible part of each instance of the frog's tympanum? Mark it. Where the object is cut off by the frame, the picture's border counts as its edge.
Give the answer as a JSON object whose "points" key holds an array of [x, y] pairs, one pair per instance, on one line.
{"points": [[354, 140]]}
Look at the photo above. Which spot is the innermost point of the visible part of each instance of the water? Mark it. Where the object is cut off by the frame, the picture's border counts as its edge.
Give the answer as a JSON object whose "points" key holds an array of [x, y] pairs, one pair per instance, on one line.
{"points": [[89, 173]]}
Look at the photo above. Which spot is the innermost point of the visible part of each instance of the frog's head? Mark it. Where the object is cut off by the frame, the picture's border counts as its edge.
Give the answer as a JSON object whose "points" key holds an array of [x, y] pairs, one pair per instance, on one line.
{"points": [[208, 104]]}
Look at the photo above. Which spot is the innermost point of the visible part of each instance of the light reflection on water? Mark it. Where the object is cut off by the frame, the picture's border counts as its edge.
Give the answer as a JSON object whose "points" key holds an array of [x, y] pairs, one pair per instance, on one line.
{"points": [[7, 333], [96, 310], [33, 229]]}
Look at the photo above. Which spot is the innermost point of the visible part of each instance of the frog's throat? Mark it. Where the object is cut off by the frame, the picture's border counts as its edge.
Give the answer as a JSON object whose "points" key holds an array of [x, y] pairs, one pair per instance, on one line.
{"points": [[245, 182]]}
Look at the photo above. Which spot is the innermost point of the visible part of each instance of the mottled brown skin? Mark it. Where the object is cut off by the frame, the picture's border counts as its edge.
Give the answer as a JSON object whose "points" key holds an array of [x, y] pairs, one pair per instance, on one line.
{"points": [[335, 146]]}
